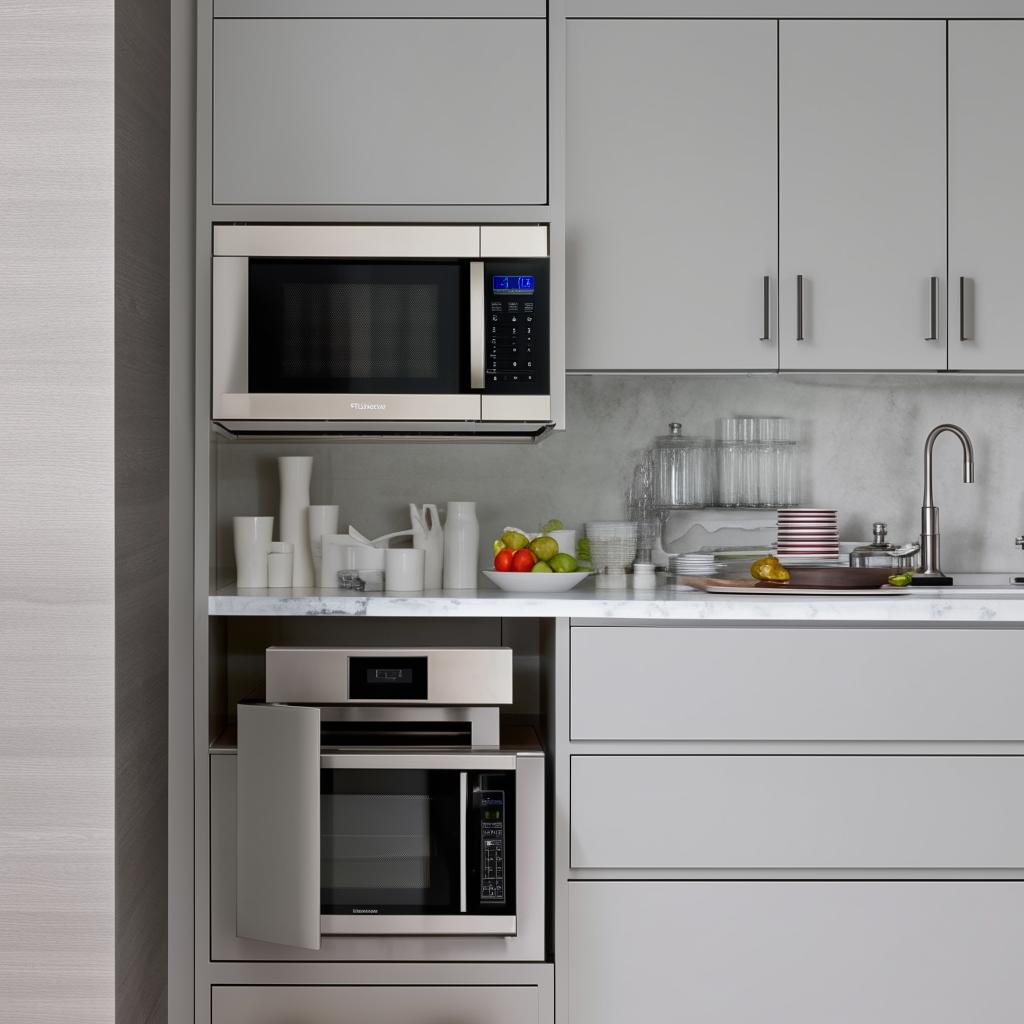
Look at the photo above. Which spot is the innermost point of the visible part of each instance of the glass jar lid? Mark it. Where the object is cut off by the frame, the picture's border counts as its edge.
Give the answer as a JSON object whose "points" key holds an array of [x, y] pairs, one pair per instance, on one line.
{"points": [[677, 439]]}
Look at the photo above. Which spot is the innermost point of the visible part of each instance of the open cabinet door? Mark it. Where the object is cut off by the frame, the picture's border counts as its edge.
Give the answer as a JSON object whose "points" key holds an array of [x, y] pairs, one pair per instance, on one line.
{"points": [[279, 824]]}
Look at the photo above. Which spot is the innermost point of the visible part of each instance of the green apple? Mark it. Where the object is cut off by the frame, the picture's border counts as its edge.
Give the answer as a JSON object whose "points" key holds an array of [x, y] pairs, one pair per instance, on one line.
{"points": [[542, 567], [545, 548], [563, 562], [514, 539]]}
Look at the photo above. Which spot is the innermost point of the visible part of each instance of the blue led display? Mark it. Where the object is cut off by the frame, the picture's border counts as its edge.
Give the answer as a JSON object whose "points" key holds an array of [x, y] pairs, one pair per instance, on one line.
{"points": [[513, 284]]}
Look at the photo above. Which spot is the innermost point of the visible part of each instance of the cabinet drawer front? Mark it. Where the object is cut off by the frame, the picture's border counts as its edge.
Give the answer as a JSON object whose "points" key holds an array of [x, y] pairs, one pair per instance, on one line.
{"points": [[340, 111], [658, 683], [806, 811], [799, 952], [357, 1004]]}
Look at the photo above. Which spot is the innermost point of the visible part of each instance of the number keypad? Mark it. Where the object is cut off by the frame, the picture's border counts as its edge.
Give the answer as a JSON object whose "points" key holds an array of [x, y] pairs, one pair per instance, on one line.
{"points": [[511, 354]]}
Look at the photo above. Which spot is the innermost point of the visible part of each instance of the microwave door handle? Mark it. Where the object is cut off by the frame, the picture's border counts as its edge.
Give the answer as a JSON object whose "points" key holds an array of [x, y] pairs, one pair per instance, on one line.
{"points": [[476, 324], [463, 825]]}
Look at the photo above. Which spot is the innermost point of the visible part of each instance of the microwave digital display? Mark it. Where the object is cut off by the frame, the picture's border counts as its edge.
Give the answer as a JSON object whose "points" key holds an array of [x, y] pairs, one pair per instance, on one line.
{"points": [[513, 284]]}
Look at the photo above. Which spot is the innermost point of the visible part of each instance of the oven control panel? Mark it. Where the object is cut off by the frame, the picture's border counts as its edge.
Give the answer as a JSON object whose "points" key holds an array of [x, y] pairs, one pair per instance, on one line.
{"points": [[492, 846], [515, 324]]}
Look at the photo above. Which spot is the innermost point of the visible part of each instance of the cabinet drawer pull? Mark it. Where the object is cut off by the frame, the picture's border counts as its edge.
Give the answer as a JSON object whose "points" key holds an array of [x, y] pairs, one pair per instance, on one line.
{"points": [[767, 331], [799, 307], [933, 309]]}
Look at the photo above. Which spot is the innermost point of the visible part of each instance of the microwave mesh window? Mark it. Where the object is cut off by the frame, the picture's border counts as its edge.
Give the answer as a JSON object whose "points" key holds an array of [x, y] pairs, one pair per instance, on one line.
{"points": [[372, 327]]}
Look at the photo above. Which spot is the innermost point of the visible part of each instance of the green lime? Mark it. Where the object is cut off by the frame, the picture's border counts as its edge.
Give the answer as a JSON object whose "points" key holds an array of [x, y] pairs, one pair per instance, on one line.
{"points": [[901, 579], [541, 567]]}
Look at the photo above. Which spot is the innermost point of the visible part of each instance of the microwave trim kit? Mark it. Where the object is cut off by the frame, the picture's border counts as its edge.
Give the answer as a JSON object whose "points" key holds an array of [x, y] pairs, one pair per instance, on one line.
{"points": [[341, 834], [382, 330]]}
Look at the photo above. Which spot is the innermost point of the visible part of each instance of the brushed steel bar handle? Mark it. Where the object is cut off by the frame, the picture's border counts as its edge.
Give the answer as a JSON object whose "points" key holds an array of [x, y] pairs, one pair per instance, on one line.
{"points": [[463, 825], [767, 331], [964, 335], [933, 309], [476, 324], [799, 307]]}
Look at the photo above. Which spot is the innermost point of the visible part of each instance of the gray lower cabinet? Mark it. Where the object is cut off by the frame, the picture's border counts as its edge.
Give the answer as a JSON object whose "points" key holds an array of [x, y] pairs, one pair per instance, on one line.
{"points": [[671, 198], [796, 952], [768, 812], [380, 111], [376, 1004], [986, 215], [862, 197]]}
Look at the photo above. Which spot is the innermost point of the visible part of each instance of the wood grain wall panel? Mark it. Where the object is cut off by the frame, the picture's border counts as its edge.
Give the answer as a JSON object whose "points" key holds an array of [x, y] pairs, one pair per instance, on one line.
{"points": [[56, 512]]}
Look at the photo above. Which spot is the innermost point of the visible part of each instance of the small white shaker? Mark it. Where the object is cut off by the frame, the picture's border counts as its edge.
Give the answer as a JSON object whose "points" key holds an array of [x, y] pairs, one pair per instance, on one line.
{"points": [[279, 564], [643, 576]]}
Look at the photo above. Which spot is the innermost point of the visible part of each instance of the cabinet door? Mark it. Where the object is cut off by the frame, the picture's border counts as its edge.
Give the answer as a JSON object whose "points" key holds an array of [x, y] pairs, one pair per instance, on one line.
{"points": [[986, 214], [380, 111], [799, 952], [671, 197], [862, 192]]}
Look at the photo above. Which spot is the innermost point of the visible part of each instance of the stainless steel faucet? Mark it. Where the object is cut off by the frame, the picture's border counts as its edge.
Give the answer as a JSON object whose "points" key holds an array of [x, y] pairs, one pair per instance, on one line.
{"points": [[930, 570]]}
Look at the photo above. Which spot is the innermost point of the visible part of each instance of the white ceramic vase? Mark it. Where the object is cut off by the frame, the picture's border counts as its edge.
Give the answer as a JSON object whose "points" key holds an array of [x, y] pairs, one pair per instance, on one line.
{"points": [[461, 546], [322, 519], [252, 545], [428, 535], [295, 472]]}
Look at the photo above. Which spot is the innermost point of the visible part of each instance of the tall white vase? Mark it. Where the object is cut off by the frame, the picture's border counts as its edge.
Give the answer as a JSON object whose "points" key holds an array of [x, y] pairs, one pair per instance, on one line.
{"points": [[461, 546], [295, 472], [322, 519], [428, 534]]}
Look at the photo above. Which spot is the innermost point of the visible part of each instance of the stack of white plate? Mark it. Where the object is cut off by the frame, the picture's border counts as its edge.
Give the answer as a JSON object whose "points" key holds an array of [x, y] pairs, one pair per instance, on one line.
{"points": [[808, 533], [693, 563]]}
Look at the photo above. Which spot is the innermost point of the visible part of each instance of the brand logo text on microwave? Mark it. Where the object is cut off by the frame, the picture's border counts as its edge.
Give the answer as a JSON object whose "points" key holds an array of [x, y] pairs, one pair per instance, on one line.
{"points": [[365, 910], [365, 406]]}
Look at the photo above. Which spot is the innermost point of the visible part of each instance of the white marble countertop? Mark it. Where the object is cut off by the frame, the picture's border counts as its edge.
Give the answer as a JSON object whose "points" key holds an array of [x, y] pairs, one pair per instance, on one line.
{"points": [[922, 605]]}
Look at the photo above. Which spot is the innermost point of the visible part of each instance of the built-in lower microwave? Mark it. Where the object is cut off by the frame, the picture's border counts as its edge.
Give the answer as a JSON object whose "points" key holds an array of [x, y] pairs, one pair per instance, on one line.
{"points": [[381, 329], [391, 811]]}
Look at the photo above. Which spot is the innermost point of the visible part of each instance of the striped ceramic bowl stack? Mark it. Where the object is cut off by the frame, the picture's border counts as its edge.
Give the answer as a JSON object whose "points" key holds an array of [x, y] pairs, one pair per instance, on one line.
{"points": [[811, 533]]}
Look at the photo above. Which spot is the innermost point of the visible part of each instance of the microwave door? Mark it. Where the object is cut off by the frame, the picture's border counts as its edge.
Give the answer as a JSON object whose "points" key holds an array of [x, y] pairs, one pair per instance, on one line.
{"points": [[278, 895]]}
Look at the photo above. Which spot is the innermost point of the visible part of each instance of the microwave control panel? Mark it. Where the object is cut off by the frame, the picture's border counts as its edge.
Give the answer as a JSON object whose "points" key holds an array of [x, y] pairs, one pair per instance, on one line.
{"points": [[516, 322], [492, 846]]}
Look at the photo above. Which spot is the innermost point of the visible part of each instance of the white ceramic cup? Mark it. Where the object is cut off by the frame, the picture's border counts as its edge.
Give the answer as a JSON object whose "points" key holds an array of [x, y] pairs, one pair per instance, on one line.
{"points": [[279, 565], [403, 569], [252, 545], [566, 541], [322, 519]]}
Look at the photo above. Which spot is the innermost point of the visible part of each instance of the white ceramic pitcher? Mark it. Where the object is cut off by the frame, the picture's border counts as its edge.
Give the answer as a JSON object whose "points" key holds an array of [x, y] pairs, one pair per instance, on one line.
{"points": [[428, 536]]}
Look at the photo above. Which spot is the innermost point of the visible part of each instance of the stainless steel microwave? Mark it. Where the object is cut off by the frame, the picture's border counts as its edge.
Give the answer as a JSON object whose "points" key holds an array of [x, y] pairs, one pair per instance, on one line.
{"points": [[382, 329], [380, 813]]}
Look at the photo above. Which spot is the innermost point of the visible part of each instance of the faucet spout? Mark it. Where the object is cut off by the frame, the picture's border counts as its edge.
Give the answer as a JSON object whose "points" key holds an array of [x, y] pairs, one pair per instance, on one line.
{"points": [[929, 513]]}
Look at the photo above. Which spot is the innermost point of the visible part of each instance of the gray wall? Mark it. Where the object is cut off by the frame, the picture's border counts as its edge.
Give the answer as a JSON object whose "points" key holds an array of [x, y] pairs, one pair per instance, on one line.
{"points": [[57, 512], [142, 167], [865, 442]]}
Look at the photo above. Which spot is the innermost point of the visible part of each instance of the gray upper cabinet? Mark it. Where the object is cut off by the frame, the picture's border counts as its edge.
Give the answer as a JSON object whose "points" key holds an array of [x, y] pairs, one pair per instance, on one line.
{"points": [[380, 111], [862, 157], [986, 214], [671, 195]]}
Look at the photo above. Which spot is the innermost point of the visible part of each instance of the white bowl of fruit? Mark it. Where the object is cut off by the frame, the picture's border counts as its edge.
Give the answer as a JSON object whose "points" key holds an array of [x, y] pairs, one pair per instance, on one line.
{"points": [[534, 565]]}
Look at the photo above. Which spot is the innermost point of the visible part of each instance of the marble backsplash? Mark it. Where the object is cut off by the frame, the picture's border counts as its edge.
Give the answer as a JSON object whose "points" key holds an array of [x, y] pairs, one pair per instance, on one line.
{"points": [[864, 437]]}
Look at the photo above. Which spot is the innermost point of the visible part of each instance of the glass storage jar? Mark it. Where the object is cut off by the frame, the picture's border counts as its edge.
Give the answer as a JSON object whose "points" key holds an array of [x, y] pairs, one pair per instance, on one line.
{"points": [[685, 470]]}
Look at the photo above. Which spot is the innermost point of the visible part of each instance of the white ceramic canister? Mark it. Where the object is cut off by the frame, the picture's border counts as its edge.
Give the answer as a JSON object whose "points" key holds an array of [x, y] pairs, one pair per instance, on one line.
{"points": [[295, 472], [565, 539], [279, 565], [322, 519], [428, 534], [403, 569], [252, 545], [461, 546]]}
